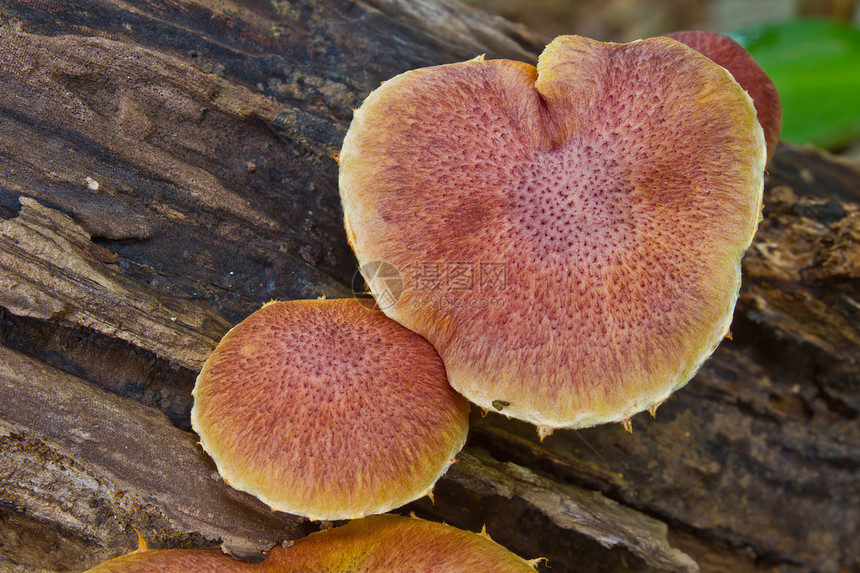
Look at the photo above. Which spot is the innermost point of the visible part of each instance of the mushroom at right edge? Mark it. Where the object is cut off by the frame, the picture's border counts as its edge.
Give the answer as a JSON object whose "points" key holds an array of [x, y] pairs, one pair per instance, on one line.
{"points": [[569, 236], [731, 55]]}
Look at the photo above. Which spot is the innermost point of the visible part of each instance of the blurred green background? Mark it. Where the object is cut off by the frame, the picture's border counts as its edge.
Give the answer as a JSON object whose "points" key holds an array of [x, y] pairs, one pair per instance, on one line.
{"points": [[810, 48]]}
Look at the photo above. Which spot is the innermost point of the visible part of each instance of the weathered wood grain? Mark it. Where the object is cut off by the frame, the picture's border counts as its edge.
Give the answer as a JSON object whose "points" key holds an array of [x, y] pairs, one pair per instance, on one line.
{"points": [[167, 167], [93, 465]]}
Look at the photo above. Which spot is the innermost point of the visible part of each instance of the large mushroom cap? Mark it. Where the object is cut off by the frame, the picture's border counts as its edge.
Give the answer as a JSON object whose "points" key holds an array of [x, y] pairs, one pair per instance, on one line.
{"points": [[732, 56], [391, 543], [327, 409], [570, 236]]}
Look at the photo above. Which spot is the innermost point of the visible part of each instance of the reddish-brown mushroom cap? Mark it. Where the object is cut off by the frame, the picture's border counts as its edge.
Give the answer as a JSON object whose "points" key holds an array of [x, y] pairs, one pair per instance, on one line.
{"points": [[569, 236], [327, 409], [177, 561], [392, 543], [379, 544], [732, 56]]}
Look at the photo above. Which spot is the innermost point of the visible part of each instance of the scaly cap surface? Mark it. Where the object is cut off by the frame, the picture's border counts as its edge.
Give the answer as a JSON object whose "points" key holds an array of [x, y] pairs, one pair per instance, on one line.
{"points": [[328, 410], [379, 544], [569, 236], [176, 561], [732, 56], [392, 543]]}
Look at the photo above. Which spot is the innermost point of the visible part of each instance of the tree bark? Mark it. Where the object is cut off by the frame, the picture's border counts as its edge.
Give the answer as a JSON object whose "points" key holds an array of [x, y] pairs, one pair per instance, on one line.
{"points": [[167, 167]]}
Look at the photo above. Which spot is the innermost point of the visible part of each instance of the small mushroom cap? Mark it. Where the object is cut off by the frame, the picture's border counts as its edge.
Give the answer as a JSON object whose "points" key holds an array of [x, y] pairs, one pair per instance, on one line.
{"points": [[570, 236], [392, 543], [732, 56], [176, 561], [327, 409]]}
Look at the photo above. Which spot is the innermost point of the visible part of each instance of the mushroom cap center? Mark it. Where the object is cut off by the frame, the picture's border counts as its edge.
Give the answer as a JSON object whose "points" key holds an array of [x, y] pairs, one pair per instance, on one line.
{"points": [[572, 200]]}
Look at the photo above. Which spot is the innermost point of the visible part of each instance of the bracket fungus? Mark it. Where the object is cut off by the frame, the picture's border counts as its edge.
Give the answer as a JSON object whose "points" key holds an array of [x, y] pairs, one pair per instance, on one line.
{"points": [[569, 236], [731, 55], [379, 544], [328, 410], [388, 543], [177, 561]]}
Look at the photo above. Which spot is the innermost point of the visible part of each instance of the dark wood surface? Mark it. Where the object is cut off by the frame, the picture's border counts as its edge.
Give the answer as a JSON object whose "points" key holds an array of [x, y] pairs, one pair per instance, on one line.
{"points": [[166, 167]]}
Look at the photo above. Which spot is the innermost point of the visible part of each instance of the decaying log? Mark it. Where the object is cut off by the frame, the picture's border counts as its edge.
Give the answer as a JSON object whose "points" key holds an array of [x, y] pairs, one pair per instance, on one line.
{"points": [[93, 463], [167, 167]]}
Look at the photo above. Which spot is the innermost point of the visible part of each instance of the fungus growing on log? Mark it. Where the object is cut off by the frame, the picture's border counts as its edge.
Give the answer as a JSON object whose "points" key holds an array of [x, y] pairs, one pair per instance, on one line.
{"points": [[388, 543], [328, 410], [732, 56], [379, 544], [570, 235], [178, 561]]}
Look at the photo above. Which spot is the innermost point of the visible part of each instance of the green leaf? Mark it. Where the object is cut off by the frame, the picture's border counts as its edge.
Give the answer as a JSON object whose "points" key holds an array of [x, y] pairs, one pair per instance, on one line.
{"points": [[815, 65]]}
